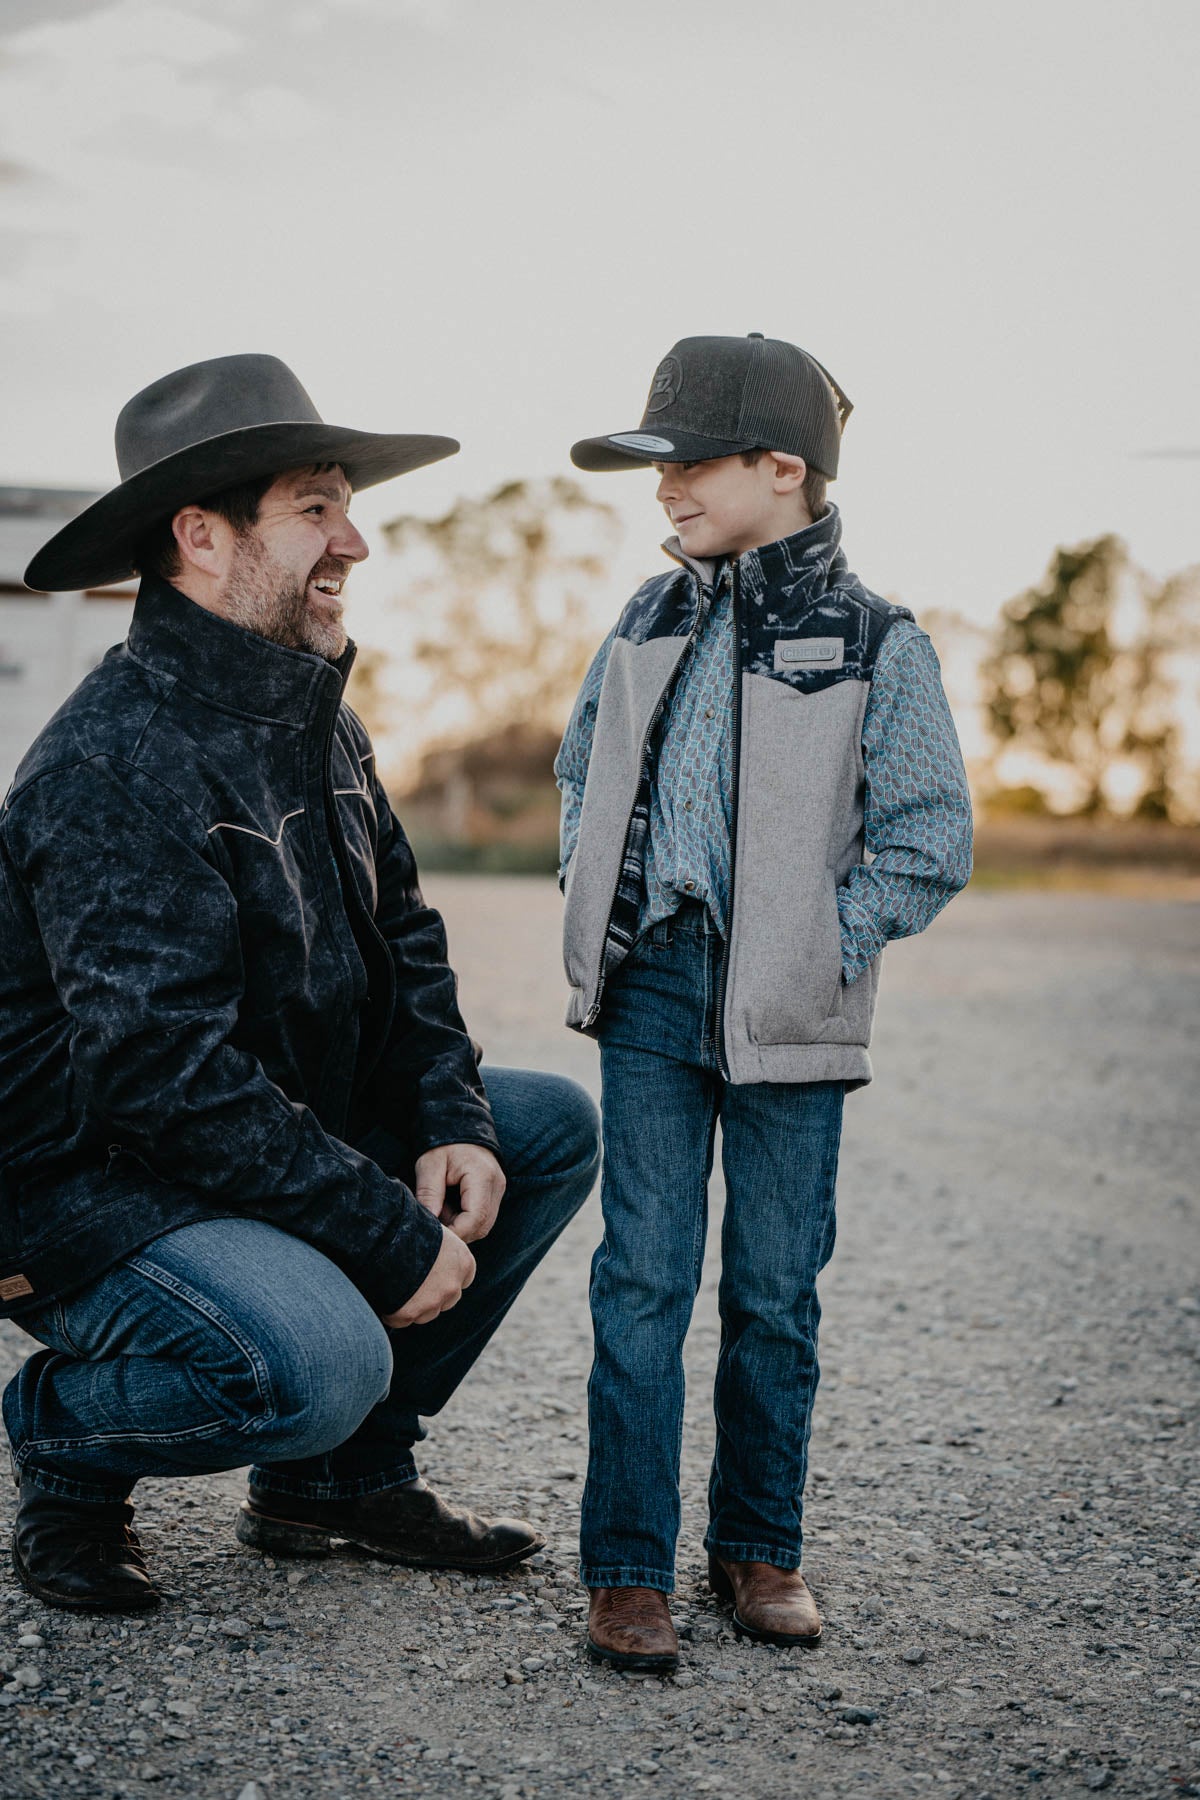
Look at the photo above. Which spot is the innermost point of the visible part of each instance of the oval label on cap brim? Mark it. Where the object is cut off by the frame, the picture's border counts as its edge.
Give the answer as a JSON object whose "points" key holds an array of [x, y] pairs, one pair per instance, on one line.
{"points": [[642, 440]]}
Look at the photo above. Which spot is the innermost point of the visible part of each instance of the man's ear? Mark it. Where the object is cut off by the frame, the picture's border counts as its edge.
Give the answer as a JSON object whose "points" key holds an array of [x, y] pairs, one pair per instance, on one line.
{"points": [[790, 472], [192, 528]]}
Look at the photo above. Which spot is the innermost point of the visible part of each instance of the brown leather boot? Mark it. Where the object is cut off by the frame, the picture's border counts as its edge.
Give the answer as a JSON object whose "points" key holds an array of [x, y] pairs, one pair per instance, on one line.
{"points": [[630, 1627], [772, 1605]]}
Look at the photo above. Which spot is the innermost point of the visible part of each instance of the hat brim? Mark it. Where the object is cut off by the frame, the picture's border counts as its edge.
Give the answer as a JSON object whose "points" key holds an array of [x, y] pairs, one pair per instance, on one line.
{"points": [[97, 548], [636, 449]]}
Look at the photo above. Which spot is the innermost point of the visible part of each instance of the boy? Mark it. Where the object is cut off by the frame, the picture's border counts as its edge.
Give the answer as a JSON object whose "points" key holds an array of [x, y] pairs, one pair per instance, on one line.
{"points": [[755, 721]]}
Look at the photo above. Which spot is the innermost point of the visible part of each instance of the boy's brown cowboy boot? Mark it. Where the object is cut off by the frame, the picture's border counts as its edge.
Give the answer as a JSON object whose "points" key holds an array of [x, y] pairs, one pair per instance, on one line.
{"points": [[771, 1605], [630, 1627]]}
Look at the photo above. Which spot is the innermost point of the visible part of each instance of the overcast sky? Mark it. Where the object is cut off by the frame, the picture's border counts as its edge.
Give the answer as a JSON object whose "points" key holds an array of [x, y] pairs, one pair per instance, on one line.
{"points": [[492, 220]]}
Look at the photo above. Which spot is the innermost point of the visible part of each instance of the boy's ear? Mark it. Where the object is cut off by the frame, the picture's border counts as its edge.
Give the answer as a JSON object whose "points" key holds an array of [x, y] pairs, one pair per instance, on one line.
{"points": [[790, 472]]}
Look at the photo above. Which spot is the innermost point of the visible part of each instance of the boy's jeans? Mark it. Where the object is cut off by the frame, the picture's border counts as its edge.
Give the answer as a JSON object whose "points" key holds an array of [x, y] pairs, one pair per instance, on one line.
{"points": [[230, 1342], [663, 1094]]}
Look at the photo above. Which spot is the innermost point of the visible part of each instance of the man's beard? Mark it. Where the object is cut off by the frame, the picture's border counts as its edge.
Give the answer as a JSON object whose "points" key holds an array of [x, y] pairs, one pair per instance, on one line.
{"points": [[262, 596]]}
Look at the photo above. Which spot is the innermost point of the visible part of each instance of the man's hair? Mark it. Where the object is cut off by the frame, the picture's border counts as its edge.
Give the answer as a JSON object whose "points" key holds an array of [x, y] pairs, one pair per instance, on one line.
{"points": [[157, 552], [814, 487]]}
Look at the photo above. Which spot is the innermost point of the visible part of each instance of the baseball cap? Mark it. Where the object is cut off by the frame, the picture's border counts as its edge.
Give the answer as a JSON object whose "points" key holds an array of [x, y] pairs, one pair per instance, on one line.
{"points": [[714, 396]]}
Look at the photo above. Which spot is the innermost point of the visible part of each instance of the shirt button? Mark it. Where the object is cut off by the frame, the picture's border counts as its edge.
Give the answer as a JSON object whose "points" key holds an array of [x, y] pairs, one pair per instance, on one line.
{"points": [[711, 713], [687, 806], [688, 886]]}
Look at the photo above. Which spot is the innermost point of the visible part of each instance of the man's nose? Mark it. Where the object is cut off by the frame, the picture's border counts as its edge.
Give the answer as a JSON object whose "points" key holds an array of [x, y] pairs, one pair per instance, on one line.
{"points": [[668, 484], [349, 542]]}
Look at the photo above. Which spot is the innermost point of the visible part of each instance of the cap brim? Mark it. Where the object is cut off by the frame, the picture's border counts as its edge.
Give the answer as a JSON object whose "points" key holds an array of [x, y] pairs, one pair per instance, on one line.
{"points": [[98, 546], [635, 449]]}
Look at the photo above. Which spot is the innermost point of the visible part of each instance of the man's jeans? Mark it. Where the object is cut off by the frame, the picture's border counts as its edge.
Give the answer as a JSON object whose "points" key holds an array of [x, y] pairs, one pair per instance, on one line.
{"points": [[230, 1342], [663, 1094]]}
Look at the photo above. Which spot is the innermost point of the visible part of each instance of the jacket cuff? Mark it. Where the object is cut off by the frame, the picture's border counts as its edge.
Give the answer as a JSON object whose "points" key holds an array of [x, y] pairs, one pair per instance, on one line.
{"points": [[396, 1278]]}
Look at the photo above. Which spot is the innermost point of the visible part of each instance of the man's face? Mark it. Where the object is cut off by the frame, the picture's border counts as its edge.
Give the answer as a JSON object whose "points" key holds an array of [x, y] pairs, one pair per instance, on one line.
{"points": [[285, 574], [722, 508]]}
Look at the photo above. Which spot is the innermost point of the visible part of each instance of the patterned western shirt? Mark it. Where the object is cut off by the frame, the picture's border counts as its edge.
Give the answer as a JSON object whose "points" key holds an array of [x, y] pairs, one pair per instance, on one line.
{"points": [[910, 751]]}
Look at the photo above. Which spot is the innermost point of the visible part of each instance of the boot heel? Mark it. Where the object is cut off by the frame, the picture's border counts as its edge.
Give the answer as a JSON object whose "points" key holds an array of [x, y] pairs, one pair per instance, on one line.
{"points": [[278, 1537], [718, 1580]]}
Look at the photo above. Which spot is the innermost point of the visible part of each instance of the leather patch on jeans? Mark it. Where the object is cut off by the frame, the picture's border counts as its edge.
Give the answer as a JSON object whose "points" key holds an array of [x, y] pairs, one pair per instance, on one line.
{"points": [[808, 653], [15, 1287]]}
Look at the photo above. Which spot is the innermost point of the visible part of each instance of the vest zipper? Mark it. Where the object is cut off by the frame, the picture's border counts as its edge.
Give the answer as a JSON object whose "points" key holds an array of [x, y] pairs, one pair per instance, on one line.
{"points": [[733, 815], [593, 1012]]}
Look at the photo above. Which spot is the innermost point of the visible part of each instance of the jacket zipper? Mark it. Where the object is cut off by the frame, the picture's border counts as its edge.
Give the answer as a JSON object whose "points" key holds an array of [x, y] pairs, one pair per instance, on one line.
{"points": [[593, 1012], [352, 898], [733, 816]]}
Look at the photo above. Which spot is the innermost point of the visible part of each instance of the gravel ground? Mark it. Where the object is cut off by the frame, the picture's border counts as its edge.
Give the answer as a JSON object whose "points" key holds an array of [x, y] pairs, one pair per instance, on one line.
{"points": [[1001, 1528]]}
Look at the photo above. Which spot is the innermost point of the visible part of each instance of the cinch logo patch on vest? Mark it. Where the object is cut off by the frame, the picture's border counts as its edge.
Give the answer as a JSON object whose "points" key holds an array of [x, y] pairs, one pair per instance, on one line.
{"points": [[15, 1287], [809, 653]]}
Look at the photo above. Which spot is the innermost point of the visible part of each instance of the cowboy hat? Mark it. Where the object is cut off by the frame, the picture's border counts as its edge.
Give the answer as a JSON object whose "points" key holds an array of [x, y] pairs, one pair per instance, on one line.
{"points": [[201, 429]]}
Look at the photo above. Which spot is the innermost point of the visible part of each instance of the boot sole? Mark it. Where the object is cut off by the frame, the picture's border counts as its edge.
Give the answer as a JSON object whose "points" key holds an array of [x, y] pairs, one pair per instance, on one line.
{"points": [[289, 1537], [621, 1659], [722, 1589], [70, 1603]]}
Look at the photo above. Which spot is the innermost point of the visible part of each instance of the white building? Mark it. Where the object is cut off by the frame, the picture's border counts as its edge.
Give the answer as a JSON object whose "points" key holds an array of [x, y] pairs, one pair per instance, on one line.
{"points": [[48, 642]]}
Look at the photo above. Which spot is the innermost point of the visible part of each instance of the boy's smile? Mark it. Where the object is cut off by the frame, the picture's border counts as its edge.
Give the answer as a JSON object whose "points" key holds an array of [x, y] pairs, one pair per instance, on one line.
{"points": [[723, 507]]}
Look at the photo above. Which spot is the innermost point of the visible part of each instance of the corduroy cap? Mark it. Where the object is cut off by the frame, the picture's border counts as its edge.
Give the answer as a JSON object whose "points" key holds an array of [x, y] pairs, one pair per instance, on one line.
{"points": [[715, 396]]}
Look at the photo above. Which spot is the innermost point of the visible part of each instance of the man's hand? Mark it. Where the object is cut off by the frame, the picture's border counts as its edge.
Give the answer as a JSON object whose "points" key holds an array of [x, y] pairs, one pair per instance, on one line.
{"points": [[442, 1288], [479, 1179]]}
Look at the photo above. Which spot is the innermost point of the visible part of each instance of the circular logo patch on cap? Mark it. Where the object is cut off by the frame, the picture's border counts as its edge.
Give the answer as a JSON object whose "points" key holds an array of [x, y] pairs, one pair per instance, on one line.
{"points": [[664, 389], [642, 440]]}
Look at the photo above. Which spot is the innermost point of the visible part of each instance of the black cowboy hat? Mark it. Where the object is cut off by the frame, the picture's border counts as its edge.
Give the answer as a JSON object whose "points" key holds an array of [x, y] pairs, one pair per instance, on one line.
{"points": [[199, 430]]}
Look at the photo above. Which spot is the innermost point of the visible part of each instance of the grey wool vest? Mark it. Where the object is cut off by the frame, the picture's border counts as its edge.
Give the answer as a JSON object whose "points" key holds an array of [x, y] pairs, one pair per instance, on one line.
{"points": [[807, 635]]}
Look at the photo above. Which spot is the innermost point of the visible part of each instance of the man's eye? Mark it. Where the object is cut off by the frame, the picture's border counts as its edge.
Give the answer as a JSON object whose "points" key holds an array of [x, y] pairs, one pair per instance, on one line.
{"points": [[317, 507]]}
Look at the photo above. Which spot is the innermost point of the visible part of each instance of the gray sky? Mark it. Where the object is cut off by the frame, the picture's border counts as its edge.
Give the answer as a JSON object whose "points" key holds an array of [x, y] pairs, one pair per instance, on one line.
{"points": [[493, 220]]}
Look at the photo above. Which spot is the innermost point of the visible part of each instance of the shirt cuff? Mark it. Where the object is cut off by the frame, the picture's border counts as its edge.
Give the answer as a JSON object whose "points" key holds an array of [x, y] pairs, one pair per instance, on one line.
{"points": [[862, 939]]}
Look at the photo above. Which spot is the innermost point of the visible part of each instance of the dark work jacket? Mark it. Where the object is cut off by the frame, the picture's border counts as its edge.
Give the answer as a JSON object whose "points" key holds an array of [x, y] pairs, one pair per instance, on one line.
{"points": [[217, 972]]}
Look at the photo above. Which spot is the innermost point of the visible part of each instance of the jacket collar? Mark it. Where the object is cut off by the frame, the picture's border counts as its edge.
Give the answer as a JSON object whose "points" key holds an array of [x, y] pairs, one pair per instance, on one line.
{"points": [[227, 665], [800, 566]]}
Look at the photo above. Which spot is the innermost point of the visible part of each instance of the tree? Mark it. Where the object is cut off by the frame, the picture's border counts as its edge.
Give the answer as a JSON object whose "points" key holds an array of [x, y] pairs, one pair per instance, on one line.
{"points": [[498, 588], [1061, 681]]}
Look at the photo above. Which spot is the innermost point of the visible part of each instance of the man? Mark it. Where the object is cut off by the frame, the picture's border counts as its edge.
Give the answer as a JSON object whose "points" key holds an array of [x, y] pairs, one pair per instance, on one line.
{"points": [[248, 1160]]}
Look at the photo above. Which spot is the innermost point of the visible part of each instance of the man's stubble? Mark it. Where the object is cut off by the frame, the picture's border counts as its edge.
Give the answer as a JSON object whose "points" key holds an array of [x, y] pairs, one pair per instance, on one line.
{"points": [[262, 596]]}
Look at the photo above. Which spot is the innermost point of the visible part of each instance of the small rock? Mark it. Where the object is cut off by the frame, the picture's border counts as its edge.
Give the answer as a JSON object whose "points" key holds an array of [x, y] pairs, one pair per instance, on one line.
{"points": [[85, 1760], [531, 1664], [235, 1628], [858, 1715], [913, 1653], [31, 1640], [252, 1791], [183, 1709], [514, 1678], [1097, 1778], [277, 1622], [27, 1676]]}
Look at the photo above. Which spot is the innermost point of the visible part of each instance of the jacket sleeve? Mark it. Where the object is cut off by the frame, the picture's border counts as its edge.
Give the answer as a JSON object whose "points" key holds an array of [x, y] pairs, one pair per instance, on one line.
{"points": [[571, 763], [140, 930], [916, 808], [430, 1067]]}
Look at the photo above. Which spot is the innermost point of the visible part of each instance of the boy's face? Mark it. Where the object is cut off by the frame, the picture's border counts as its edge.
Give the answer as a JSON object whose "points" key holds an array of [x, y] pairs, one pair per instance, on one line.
{"points": [[723, 507]]}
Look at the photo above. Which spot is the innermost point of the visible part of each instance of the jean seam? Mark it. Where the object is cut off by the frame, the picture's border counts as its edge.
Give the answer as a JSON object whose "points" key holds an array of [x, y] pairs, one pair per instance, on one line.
{"points": [[262, 1375], [60, 1324]]}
